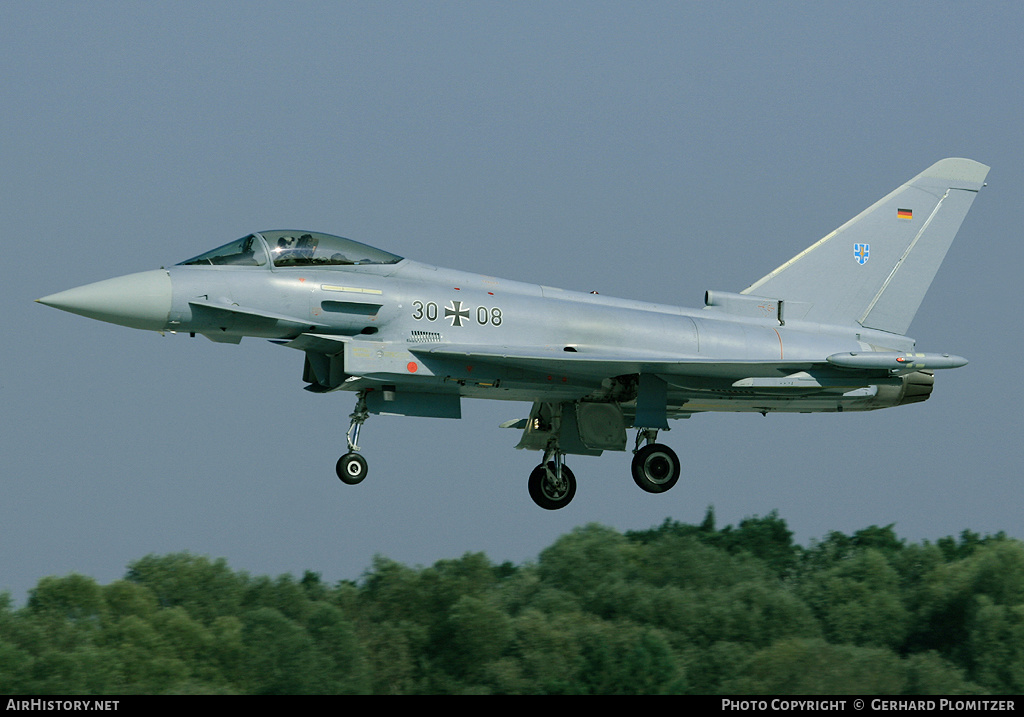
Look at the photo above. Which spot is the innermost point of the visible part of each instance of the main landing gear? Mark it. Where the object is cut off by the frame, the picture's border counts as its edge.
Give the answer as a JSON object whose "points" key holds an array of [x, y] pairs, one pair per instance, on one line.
{"points": [[352, 467], [655, 469], [552, 485], [655, 466]]}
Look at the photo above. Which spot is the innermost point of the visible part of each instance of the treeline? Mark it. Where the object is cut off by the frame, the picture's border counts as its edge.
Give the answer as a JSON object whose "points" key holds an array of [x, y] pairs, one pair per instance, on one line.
{"points": [[676, 609]]}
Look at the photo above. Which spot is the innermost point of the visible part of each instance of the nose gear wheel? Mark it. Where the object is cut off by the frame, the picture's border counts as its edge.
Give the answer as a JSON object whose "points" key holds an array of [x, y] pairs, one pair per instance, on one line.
{"points": [[351, 468]]}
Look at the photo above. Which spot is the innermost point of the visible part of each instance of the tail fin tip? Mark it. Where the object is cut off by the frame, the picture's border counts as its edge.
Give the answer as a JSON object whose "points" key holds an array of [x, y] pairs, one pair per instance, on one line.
{"points": [[959, 172]]}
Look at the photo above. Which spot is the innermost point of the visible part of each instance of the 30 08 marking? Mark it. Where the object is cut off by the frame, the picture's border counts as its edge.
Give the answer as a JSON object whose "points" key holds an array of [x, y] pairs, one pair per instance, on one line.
{"points": [[457, 313]]}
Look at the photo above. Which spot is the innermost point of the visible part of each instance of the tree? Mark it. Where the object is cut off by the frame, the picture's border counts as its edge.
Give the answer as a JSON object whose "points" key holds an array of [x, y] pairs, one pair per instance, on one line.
{"points": [[814, 667], [206, 589], [858, 601]]}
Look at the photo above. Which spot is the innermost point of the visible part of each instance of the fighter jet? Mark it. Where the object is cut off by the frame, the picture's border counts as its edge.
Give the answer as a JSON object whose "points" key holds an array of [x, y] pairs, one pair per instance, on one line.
{"points": [[824, 332]]}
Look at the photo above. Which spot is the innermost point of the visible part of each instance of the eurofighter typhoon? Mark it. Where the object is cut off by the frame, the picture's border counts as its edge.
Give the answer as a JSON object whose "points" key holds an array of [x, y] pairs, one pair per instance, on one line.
{"points": [[824, 332]]}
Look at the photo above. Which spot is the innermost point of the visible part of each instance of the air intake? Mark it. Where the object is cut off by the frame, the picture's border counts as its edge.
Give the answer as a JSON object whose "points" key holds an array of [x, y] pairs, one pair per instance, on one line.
{"points": [[917, 387]]}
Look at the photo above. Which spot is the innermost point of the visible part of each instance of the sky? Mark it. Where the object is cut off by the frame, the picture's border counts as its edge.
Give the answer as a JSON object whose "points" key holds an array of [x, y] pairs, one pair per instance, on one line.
{"points": [[646, 150]]}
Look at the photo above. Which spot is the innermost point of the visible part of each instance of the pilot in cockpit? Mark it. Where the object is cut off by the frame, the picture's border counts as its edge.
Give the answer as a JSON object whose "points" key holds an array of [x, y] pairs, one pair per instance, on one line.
{"points": [[285, 247]]}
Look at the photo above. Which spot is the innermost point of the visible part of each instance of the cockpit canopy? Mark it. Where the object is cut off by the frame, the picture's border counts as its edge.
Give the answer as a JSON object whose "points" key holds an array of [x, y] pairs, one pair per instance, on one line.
{"points": [[293, 248]]}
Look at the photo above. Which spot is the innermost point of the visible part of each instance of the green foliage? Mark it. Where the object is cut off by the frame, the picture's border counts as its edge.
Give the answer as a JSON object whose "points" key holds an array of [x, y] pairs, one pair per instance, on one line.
{"points": [[74, 598], [205, 589], [674, 609], [815, 667], [767, 538], [858, 601]]}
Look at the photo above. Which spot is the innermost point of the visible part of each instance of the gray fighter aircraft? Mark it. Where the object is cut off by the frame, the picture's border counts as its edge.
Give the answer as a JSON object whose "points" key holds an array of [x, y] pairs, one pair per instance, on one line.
{"points": [[826, 331]]}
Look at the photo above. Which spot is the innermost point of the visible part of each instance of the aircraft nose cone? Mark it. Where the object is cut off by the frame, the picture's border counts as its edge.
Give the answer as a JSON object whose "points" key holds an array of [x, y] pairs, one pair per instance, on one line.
{"points": [[140, 301]]}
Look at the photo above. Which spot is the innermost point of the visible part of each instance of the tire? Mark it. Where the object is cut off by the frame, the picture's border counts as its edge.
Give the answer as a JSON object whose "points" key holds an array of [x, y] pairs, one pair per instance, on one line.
{"points": [[655, 468], [548, 496], [351, 468]]}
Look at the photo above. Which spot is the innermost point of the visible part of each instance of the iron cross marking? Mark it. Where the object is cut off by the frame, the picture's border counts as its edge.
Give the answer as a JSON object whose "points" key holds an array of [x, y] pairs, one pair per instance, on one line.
{"points": [[456, 313]]}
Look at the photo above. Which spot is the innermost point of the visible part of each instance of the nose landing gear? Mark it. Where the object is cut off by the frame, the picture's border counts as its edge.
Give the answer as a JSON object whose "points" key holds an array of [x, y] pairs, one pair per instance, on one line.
{"points": [[352, 467]]}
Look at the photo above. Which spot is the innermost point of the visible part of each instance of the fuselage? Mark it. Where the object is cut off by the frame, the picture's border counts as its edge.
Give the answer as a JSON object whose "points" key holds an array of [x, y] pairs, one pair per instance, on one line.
{"points": [[380, 312]]}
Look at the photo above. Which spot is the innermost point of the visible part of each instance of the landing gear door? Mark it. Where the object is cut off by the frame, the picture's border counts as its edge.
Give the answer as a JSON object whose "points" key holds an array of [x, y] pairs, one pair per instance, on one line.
{"points": [[575, 428], [601, 426]]}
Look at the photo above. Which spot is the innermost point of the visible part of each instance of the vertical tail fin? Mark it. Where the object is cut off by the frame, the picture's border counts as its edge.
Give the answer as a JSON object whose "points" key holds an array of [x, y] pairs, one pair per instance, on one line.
{"points": [[875, 269]]}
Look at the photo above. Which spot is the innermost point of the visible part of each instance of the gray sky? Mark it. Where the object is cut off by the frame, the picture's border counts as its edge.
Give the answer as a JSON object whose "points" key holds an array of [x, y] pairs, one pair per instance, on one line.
{"points": [[646, 150]]}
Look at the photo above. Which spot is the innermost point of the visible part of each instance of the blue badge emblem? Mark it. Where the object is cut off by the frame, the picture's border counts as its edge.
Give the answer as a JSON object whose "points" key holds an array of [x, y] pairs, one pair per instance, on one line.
{"points": [[860, 252]]}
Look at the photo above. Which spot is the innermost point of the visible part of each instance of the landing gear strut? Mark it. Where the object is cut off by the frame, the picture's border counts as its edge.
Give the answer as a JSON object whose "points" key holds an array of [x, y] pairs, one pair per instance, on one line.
{"points": [[655, 466], [552, 485], [352, 467]]}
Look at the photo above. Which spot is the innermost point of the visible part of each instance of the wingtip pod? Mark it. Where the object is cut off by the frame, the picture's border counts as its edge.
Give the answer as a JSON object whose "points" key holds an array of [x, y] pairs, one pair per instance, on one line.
{"points": [[896, 361]]}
